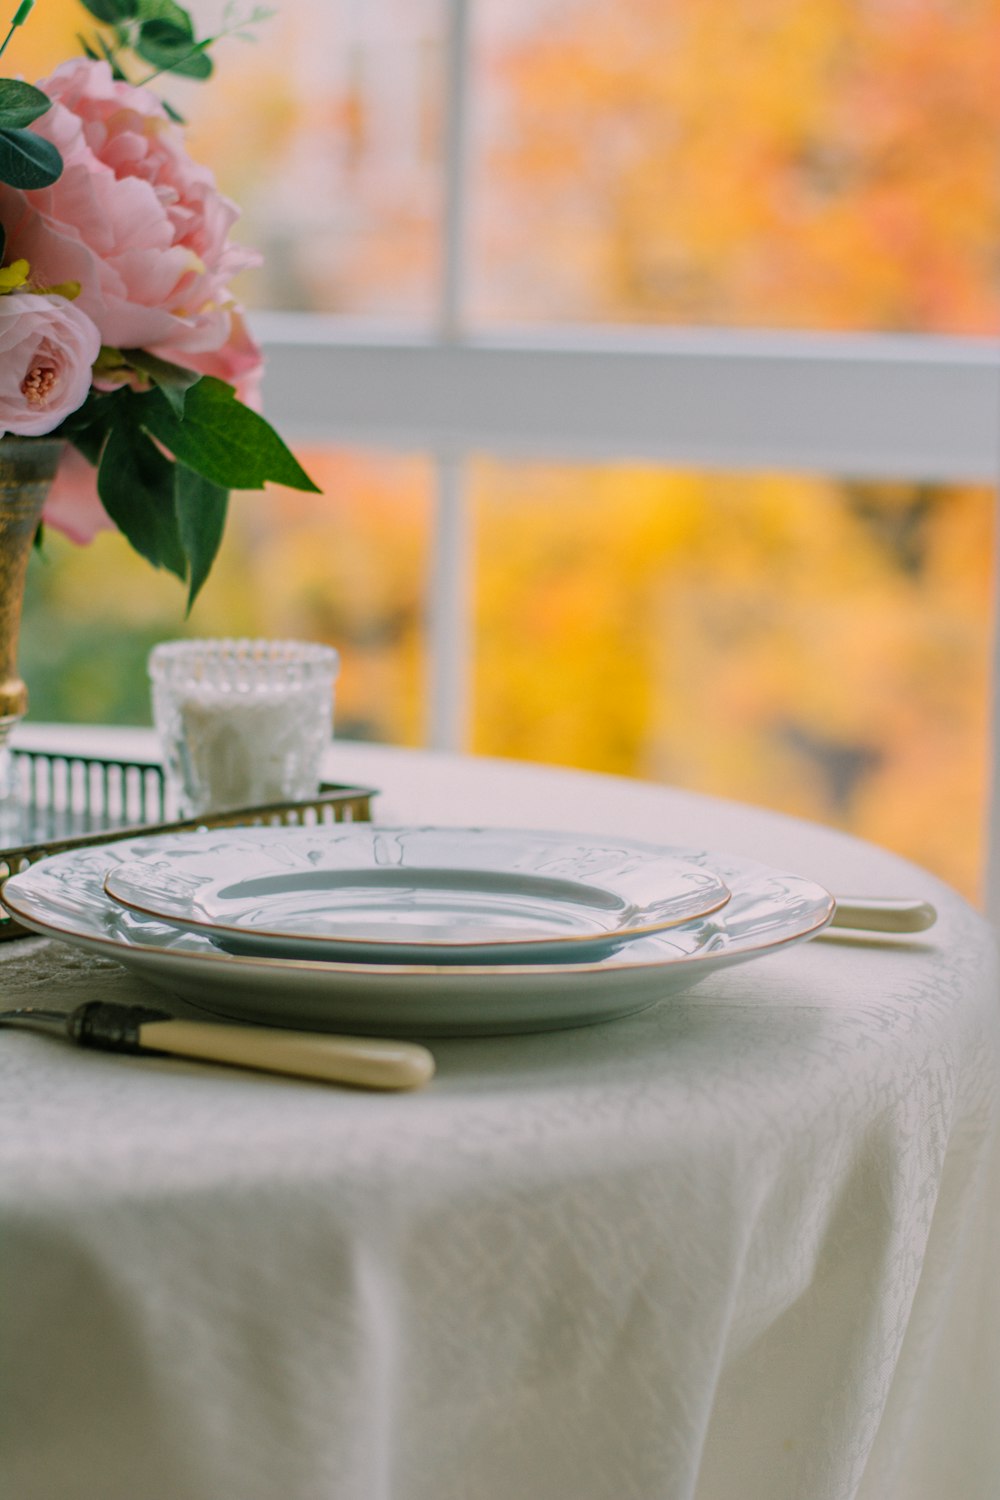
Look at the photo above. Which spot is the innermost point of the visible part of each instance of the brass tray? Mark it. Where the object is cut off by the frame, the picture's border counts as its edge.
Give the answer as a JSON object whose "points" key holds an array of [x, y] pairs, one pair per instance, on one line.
{"points": [[68, 801]]}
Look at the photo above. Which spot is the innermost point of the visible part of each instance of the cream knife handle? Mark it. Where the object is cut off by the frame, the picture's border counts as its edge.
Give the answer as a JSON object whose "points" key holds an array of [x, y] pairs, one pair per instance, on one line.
{"points": [[881, 914], [363, 1062]]}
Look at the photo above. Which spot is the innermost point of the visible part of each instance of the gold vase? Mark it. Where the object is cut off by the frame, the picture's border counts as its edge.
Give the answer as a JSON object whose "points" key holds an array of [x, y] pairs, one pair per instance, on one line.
{"points": [[27, 469]]}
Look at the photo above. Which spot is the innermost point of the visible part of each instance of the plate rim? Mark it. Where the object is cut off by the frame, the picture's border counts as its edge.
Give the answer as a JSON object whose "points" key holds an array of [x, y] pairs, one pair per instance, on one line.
{"points": [[612, 963], [193, 923]]}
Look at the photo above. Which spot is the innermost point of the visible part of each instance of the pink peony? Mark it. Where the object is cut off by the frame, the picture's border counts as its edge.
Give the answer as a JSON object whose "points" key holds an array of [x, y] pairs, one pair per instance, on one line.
{"points": [[238, 362], [133, 219], [72, 505], [47, 346]]}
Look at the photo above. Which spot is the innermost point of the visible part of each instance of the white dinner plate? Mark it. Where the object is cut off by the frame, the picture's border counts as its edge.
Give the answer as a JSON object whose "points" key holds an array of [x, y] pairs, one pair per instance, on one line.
{"points": [[415, 895], [63, 897]]}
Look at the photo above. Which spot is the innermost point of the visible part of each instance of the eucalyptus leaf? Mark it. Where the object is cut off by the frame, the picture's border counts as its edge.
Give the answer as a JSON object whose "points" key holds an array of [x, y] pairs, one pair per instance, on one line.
{"points": [[111, 11], [136, 484], [20, 103], [201, 517], [28, 161], [222, 439]]}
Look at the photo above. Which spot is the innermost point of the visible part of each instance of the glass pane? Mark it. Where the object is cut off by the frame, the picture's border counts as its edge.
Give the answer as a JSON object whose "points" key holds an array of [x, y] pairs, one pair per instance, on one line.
{"points": [[796, 163], [326, 131], [347, 567], [814, 646]]}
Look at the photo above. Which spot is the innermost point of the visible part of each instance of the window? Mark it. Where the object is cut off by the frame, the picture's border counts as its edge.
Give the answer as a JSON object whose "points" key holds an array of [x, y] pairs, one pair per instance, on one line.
{"points": [[622, 269]]}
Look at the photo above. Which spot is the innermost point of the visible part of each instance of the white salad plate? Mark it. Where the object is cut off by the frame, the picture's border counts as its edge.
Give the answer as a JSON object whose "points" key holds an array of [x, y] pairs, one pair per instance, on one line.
{"points": [[63, 897], [412, 895]]}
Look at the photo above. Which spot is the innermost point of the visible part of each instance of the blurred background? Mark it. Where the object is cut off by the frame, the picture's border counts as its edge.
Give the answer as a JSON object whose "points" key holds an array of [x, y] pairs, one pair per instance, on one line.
{"points": [[813, 643]]}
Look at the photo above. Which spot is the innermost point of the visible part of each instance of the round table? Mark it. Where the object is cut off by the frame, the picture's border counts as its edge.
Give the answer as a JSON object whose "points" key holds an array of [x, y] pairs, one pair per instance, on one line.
{"points": [[740, 1246]]}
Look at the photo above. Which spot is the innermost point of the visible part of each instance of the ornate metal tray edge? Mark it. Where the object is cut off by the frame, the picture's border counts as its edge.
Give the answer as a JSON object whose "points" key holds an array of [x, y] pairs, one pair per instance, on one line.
{"points": [[113, 797]]}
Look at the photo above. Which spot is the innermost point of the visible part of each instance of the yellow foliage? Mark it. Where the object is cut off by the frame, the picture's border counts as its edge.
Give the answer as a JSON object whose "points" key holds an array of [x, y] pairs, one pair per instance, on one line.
{"points": [[753, 636], [805, 643]]}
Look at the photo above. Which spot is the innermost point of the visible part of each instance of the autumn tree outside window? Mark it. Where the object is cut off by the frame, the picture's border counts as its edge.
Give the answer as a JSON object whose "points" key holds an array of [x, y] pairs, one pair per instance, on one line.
{"points": [[677, 266]]}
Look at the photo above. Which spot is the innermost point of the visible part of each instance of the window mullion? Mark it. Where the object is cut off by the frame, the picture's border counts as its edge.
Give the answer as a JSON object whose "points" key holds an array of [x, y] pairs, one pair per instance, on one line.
{"points": [[992, 891], [451, 292], [449, 606], [450, 632]]}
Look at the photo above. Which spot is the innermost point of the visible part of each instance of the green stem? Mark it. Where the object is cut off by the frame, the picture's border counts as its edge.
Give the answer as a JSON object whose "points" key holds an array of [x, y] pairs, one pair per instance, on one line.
{"points": [[22, 14], [169, 67], [231, 30]]}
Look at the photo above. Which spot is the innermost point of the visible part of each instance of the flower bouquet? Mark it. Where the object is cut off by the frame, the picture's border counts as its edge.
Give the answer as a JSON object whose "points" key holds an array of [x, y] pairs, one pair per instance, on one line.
{"points": [[119, 334]]}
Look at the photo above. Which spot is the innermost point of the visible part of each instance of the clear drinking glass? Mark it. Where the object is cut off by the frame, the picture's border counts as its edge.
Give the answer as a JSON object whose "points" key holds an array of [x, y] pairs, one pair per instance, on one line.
{"points": [[242, 722]]}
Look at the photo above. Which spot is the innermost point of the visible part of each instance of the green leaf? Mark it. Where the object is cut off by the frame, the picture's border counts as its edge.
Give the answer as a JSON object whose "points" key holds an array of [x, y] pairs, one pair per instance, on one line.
{"points": [[198, 65], [165, 10], [201, 517], [173, 380], [86, 435], [89, 441], [166, 36], [136, 484], [110, 11], [28, 161], [88, 426], [20, 103], [222, 439], [164, 31], [171, 49], [109, 57]]}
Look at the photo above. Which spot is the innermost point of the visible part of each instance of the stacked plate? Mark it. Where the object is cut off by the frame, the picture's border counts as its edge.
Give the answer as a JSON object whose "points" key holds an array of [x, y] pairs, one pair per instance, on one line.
{"points": [[415, 931]]}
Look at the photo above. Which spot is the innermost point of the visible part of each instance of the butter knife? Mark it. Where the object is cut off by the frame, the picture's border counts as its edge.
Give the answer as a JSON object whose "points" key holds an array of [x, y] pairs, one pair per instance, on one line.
{"points": [[360, 1061], [883, 914]]}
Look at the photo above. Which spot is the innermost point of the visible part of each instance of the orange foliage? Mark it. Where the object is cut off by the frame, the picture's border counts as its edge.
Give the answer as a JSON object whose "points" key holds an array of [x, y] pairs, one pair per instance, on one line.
{"points": [[815, 163], [809, 646]]}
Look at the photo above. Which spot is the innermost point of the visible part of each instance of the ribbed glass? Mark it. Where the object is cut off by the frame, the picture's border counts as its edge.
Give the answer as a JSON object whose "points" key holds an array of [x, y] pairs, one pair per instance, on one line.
{"points": [[242, 723]]}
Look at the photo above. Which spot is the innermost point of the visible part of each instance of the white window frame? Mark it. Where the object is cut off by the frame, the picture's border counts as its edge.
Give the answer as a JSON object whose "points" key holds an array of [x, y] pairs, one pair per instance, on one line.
{"points": [[864, 406]]}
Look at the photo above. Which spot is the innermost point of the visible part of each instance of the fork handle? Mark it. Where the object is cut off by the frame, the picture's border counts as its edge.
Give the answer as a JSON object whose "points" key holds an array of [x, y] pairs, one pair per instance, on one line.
{"points": [[882, 914]]}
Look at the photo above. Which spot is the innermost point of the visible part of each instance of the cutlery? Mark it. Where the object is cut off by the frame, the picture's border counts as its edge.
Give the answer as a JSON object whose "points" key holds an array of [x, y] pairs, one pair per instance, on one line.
{"points": [[359, 1061], [883, 914]]}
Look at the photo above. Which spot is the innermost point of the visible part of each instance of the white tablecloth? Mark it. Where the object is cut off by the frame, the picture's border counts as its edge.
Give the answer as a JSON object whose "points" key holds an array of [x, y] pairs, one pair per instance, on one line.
{"points": [[742, 1246]]}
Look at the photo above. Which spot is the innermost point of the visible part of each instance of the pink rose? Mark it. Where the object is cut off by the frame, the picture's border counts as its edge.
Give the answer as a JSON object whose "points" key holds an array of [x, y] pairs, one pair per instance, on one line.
{"points": [[133, 219], [47, 347], [72, 505]]}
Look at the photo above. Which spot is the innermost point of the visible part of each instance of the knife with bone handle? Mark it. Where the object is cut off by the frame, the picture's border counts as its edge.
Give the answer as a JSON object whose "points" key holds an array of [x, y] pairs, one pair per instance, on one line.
{"points": [[882, 914], [362, 1062]]}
